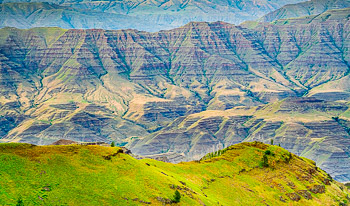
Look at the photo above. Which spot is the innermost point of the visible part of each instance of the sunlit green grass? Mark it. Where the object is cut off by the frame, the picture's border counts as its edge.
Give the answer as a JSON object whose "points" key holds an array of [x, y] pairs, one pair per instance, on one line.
{"points": [[82, 175]]}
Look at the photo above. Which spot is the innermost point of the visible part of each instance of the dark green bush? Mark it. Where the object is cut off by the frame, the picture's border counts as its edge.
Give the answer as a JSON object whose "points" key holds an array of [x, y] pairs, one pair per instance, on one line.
{"points": [[265, 161], [290, 156], [177, 196], [112, 144], [20, 202]]}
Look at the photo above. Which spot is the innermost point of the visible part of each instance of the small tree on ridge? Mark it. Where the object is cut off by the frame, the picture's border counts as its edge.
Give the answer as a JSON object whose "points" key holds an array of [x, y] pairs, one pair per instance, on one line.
{"points": [[177, 196]]}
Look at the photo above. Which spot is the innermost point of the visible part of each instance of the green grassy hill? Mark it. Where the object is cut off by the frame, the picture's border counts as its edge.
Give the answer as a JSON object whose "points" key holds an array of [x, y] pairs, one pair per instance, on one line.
{"points": [[94, 175]]}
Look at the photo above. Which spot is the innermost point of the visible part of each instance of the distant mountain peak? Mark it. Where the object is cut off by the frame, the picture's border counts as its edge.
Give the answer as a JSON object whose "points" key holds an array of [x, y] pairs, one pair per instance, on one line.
{"points": [[312, 7], [142, 15]]}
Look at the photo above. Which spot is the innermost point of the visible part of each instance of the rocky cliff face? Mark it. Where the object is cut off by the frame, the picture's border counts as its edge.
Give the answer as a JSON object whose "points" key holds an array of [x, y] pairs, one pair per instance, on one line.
{"points": [[146, 15], [124, 85]]}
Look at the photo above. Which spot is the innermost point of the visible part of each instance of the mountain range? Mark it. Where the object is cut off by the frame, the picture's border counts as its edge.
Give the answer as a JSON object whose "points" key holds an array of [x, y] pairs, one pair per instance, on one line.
{"points": [[184, 92], [307, 8], [144, 15], [38, 14]]}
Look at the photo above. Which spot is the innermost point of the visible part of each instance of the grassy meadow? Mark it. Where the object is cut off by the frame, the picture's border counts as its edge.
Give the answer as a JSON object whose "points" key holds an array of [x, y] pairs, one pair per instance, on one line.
{"points": [[95, 175]]}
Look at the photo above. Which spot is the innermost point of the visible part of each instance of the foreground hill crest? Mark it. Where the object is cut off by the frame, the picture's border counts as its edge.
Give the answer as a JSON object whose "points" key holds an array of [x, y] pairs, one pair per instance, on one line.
{"points": [[235, 176]]}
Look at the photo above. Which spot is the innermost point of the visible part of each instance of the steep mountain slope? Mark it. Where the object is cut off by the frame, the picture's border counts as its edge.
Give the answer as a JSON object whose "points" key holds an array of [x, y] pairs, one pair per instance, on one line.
{"points": [[94, 175], [307, 8], [153, 78], [308, 127], [28, 15], [145, 15]]}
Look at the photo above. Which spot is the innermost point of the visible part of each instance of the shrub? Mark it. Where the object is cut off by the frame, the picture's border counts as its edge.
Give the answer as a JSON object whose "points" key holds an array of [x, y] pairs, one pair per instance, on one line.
{"points": [[177, 196], [290, 156], [20, 202], [112, 144], [268, 152], [265, 161]]}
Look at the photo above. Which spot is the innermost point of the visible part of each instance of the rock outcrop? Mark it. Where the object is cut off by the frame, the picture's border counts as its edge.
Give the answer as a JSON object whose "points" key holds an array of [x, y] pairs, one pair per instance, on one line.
{"points": [[64, 142]]}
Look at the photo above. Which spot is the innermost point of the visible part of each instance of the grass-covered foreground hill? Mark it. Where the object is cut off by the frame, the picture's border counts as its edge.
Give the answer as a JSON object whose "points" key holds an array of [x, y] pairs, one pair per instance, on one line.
{"points": [[246, 173]]}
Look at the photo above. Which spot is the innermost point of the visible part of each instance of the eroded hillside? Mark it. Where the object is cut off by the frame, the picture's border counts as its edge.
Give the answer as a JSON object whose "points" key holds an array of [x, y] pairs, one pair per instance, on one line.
{"points": [[312, 128], [152, 78]]}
